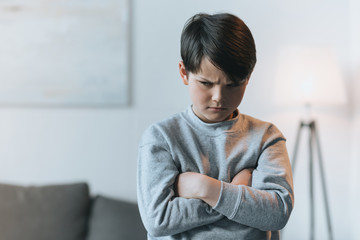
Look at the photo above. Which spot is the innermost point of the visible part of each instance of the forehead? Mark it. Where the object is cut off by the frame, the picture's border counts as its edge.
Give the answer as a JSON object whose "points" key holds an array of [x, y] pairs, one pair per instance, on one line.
{"points": [[210, 71]]}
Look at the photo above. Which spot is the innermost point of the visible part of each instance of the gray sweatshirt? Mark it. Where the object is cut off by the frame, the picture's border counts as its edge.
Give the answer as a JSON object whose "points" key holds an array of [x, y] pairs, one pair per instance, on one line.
{"points": [[184, 143]]}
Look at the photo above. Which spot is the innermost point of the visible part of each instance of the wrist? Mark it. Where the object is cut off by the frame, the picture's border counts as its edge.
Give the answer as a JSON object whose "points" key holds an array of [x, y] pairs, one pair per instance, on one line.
{"points": [[203, 187], [209, 190]]}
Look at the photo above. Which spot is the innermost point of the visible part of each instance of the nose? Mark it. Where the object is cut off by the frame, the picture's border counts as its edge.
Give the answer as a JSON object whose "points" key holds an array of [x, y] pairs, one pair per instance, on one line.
{"points": [[217, 95]]}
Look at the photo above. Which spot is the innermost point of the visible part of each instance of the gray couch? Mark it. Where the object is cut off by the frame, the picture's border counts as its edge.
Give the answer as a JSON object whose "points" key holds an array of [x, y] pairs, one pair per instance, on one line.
{"points": [[65, 212]]}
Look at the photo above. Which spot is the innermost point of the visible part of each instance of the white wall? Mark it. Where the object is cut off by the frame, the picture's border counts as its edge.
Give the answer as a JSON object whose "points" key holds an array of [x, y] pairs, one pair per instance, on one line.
{"points": [[46, 145], [355, 134]]}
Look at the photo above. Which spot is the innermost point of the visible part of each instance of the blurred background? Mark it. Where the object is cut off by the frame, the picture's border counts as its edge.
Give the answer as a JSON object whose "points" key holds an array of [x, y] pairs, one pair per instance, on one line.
{"points": [[98, 144]]}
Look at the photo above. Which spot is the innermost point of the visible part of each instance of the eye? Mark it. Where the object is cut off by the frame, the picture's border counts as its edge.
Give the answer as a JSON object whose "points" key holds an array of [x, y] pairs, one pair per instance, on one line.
{"points": [[232, 85], [207, 84]]}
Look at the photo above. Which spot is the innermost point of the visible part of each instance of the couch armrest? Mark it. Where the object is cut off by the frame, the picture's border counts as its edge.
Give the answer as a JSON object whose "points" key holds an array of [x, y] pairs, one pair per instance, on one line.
{"points": [[55, 212], [113, 219]]}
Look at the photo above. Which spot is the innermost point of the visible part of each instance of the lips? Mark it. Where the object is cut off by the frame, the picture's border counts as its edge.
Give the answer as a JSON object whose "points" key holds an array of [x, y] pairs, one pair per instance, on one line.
{"points": [[217, 109]]}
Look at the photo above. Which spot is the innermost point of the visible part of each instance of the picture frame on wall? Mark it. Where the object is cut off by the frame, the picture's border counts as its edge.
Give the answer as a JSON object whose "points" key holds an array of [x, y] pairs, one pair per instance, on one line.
{"points": [[64, 53]]}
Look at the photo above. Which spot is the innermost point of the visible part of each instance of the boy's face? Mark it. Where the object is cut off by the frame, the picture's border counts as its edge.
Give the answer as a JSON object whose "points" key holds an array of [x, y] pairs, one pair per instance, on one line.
{"points": [[214, 96]]}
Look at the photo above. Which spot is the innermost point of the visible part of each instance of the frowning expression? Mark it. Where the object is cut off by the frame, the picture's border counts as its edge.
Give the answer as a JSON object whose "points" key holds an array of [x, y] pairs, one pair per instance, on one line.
{"points": [[214, 96]]}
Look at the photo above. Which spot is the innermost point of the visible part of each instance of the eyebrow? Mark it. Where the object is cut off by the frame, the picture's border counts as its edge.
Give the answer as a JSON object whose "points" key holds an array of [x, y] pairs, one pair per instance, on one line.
{"points": [[205, 79]]}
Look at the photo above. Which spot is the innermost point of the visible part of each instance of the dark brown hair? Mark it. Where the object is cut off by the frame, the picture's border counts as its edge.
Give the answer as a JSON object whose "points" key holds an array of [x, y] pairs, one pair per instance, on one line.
{"points": [[222, 38]]}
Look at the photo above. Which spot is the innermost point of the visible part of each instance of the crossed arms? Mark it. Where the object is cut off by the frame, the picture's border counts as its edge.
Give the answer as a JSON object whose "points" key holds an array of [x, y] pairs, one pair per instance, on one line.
{"points": [[172, 202], [199, 186]]}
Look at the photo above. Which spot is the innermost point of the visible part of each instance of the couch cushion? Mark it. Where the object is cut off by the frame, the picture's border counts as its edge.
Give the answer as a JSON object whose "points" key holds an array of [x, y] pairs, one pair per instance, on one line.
{"points": [[114, 220], [56, 212]]}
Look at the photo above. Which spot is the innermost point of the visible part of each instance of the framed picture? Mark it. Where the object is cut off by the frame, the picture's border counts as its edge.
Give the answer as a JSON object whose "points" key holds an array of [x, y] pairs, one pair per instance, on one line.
{"points": [[64, 52]]}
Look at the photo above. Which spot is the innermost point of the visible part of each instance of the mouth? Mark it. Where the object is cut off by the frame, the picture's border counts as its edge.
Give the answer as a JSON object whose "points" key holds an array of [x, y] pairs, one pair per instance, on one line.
{"points": [[217, 109]]}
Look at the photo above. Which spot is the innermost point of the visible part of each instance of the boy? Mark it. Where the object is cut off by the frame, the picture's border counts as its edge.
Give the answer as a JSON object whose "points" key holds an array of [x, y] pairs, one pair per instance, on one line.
{"points": [[211, 172]]}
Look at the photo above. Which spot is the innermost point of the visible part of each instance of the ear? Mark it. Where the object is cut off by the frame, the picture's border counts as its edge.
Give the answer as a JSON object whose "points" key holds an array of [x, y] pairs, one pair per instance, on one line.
{"points": [[183, 73], [247, 81]]}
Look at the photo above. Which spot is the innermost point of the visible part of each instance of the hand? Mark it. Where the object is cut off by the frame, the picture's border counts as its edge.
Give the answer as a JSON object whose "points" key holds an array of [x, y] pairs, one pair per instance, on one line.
{"points": [[196, 185], [244, 177], [187, 185]]}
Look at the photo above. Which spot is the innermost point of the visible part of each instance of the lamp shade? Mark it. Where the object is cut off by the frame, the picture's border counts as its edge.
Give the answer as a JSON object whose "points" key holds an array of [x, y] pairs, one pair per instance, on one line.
{"points": [[308, 76]]}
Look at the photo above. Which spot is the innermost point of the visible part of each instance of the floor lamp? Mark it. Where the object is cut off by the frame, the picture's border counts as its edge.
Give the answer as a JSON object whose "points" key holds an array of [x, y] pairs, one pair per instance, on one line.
{"points": [[313, 143], [310, 76]]}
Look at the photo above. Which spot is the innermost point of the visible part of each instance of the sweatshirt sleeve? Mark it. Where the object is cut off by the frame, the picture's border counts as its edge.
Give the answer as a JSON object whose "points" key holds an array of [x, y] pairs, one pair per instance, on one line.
{"points": [[163, 213], [267, 204]]}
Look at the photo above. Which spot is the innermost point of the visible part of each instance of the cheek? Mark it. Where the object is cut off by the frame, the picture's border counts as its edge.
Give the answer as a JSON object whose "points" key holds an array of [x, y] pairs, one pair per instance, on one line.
{"points": [[197, 95], [236, 98]]}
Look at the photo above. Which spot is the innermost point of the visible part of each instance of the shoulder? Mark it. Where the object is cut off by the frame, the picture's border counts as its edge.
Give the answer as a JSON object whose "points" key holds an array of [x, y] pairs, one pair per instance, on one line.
{"points": [[162, 130], [265, 129]]}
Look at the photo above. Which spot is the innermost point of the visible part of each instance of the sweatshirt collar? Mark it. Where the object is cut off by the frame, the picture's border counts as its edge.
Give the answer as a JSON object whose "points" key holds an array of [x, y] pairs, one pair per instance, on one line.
{"points": [[213, 129]]}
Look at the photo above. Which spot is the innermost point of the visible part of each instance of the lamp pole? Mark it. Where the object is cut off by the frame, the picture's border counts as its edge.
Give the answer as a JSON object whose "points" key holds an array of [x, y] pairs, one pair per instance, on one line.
{"points": [[313, 142]]}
